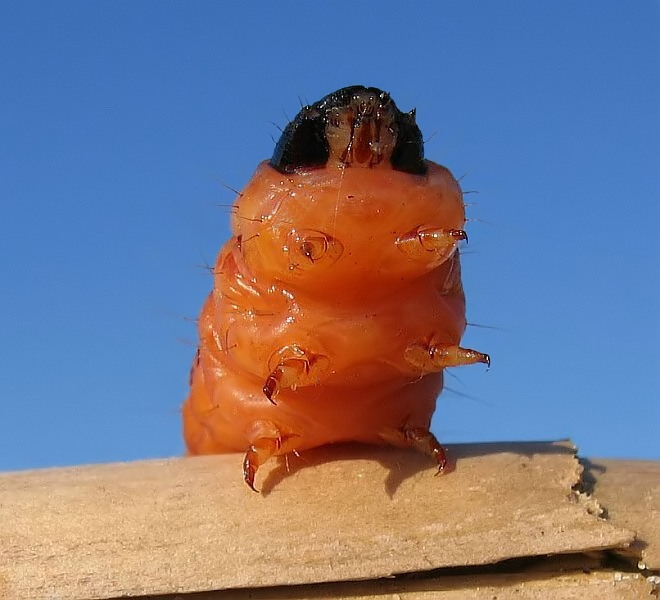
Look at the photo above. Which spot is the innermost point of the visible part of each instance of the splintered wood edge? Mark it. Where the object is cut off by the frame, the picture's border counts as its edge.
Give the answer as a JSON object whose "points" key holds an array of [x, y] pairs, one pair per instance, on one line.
{"points": [[340, 513], [629, 491]]}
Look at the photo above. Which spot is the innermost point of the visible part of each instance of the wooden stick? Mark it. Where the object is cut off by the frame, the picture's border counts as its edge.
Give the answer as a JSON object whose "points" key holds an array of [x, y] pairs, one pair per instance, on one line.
{"points": [[630, 491], [333, 514], [574, 585]]}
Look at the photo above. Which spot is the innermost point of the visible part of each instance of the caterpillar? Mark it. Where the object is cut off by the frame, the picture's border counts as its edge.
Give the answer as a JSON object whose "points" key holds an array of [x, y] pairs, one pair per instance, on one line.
{"points": [[338, 302]]}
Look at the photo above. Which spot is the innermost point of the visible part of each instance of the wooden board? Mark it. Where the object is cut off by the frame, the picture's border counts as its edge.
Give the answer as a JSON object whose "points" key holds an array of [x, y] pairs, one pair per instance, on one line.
{"points": [[630, 491], [578, 585], [342, 513]]}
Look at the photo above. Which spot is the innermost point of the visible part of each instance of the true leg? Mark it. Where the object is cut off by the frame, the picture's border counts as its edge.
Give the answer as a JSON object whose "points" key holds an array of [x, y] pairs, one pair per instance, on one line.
{"points": [[420, 439], [265, 442]]}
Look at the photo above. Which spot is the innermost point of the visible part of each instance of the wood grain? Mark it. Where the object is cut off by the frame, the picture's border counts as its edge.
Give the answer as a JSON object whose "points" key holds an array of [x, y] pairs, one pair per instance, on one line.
{"points": [[577, 585], [630, 491], [334, 514]]}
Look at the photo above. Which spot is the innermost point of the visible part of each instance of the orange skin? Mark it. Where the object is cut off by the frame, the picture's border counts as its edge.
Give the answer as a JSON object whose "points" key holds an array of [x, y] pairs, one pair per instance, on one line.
{"points": [[336, 306]]}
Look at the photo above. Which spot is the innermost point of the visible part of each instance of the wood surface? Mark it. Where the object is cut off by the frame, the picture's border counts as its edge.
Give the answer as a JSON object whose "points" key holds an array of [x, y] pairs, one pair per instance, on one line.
{"points": [[577, 585], [630, 491], [335, 514]]}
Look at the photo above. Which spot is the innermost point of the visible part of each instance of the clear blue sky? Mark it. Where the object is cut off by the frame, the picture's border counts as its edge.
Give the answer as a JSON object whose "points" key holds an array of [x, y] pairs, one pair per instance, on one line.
{"points": [[117, 118]]}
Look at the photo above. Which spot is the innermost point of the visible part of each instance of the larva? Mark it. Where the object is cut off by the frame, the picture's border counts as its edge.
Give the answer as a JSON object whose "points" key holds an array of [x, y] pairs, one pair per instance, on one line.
{"points": [[337, 303]]}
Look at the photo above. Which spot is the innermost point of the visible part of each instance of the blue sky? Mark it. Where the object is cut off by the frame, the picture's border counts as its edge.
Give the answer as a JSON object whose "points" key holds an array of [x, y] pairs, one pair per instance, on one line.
{"points": [[118, 118]]}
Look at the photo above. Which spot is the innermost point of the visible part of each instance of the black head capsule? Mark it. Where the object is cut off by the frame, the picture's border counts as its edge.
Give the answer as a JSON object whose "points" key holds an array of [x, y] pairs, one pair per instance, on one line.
{"points": [[355, 126]]}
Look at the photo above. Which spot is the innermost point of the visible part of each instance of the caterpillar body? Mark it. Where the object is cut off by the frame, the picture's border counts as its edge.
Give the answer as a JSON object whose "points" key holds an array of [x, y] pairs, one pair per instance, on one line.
{"points": [[337, 303]]}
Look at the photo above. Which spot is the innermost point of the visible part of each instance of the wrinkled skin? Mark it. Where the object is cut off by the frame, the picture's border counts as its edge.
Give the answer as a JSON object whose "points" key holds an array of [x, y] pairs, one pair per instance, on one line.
{"points": [[337, 303]]}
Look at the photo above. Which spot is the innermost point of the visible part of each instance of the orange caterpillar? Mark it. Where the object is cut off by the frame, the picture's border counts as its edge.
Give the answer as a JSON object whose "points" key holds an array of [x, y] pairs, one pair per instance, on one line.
{"points": [[338, 303]]}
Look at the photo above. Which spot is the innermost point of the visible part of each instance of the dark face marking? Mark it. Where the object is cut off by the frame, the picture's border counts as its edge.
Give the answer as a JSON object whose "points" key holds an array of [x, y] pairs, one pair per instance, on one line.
{"points": [[355, 126]]}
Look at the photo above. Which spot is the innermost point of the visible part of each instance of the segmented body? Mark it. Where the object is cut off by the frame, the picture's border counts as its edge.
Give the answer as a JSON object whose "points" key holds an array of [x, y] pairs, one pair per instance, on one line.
{"points": [[338, 301]]}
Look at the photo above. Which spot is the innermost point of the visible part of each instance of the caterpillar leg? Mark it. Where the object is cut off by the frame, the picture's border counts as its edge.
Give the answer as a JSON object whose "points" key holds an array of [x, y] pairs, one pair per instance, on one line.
{"points": [[420, 439], [431, 358], [295, 367], [265, 442], [257, 454], [432, 243]]}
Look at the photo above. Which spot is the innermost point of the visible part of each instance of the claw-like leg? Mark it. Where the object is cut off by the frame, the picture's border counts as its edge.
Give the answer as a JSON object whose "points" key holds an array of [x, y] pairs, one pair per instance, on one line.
{"points": [[432, 242], [257, 454], [266, 440], [295, 367], [420, 439], [431, 358], [313, 248]]}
